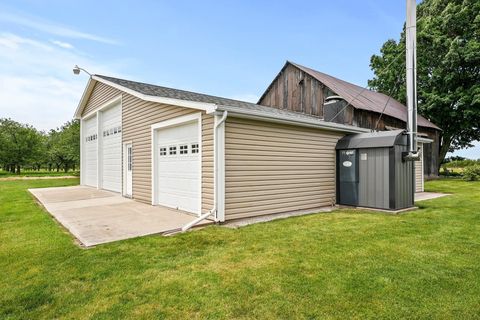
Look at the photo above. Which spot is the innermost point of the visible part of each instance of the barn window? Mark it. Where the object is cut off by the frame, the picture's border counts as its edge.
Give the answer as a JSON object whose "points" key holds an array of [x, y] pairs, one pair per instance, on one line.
{"points": [[163, 151], [184, 149], [195, 148], [172, 150]]}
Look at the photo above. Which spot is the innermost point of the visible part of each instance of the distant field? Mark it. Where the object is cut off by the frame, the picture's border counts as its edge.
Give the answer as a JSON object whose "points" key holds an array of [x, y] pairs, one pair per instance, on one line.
{"points": [[453, 169], [41, 173]]}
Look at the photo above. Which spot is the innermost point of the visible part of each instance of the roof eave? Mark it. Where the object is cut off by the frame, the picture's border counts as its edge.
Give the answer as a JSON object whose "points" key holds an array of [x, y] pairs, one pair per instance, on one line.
{"points": [[207, 107], [285, 119], [83, 100]]}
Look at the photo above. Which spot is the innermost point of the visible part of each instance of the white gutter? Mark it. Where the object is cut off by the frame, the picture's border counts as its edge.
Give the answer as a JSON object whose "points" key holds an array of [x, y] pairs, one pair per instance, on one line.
{"points": [[286, 119]]}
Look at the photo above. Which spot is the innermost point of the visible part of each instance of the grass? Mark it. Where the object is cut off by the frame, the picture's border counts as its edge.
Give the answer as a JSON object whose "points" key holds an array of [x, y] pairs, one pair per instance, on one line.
{"points": [[35, 173], [346, 264]]}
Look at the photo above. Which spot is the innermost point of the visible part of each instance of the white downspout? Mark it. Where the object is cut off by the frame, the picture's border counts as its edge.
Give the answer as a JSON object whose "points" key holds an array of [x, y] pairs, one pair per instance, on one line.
{"points": [[216, 179], [219, 171]]}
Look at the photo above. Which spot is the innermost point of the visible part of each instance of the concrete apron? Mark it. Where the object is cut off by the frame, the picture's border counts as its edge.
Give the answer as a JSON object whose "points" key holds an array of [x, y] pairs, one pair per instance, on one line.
{"points": [[98, 216]]}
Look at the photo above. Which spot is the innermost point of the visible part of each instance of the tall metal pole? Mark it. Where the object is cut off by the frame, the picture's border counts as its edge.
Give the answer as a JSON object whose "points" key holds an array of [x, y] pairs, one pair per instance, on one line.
{"points": [[411, 52], [411, 59]]}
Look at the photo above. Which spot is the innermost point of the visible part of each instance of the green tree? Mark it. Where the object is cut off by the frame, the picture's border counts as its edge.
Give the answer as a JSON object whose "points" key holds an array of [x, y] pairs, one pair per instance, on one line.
{"points": [[20, 144], [448, 67], [64, 146]]}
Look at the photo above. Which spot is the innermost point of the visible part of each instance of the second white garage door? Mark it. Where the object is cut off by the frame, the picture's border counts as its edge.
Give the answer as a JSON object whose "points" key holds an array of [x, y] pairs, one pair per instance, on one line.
{"points": [[90, 153], [178, 154], [111, 124]]}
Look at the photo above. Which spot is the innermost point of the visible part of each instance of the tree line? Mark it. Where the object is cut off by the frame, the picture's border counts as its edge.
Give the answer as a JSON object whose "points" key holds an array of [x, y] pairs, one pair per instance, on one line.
{"points": [[24, 147], [448, 65]]}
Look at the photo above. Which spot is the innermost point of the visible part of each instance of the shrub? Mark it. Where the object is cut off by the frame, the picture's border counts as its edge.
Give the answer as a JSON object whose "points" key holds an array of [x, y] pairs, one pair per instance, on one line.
{"points": [[472, 173]]}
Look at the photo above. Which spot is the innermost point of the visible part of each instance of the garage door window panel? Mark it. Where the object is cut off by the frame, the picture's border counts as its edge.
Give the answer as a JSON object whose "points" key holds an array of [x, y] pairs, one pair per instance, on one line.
{"points": [[195, 148], [184, 149]]}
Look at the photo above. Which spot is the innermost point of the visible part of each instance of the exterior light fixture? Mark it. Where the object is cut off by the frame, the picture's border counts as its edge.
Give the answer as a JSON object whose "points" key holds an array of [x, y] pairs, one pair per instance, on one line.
{"points": [[77, 69]]}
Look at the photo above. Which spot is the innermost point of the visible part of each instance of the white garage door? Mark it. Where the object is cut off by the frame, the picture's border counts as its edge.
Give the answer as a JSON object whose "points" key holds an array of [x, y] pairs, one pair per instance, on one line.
{"points": [[90, 144], [111, 124], [178, 154]]}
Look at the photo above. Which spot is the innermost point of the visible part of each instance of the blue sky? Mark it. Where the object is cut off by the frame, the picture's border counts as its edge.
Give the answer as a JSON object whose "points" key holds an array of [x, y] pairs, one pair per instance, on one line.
{"points": [[225, 48]]}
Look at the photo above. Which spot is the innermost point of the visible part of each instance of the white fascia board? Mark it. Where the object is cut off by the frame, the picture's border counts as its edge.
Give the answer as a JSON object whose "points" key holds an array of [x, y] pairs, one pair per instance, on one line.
{"points": [[83, 100], [313, 123], [207, 107]]}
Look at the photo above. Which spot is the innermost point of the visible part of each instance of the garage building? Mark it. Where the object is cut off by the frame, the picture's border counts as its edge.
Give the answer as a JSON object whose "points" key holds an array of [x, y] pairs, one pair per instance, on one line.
{"points": [[199, 153]]}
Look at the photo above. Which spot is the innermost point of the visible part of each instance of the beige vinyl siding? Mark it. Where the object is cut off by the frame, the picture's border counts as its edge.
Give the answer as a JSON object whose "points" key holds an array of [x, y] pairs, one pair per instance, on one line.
{"points": [[273, 168], [137, 117], [101, 94], [419, 171], [207, 162]]}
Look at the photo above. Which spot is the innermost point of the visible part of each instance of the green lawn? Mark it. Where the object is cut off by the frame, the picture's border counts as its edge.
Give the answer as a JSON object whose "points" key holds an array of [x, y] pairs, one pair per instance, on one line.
{"points": [[346, 264]]}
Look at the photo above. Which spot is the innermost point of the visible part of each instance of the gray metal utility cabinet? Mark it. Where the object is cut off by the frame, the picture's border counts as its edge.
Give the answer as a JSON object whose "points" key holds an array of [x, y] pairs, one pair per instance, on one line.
{"points": [[371, 171]]}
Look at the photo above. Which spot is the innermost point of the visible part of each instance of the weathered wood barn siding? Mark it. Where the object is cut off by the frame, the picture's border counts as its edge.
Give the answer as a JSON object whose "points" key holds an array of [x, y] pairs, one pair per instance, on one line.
{"points": [[137, 117], [297, 91], [273, 168]]}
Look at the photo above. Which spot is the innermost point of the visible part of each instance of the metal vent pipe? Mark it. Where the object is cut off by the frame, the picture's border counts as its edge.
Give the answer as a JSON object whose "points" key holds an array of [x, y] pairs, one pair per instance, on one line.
{"points": [[411, 60]]}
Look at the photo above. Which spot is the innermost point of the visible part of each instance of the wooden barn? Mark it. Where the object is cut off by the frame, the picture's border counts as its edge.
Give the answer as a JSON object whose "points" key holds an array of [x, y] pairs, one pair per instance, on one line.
{"points": [[304, 90]]}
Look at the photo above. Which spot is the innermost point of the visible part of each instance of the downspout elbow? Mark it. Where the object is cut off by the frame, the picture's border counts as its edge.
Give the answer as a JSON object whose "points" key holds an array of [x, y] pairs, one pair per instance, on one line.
{"points": [[222, 119]]}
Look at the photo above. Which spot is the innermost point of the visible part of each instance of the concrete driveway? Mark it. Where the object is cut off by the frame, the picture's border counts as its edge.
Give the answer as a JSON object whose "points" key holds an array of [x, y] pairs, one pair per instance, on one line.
{"points": [[98, 216]]}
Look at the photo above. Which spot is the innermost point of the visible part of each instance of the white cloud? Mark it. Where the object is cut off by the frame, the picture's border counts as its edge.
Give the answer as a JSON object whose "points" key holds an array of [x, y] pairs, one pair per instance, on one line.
{"points": [[37, 85], [62, 44], [51, 28]]}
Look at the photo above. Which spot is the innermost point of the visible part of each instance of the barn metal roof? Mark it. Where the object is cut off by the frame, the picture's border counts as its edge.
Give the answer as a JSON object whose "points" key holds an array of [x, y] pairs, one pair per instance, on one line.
{"points": [[368, 100]]}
